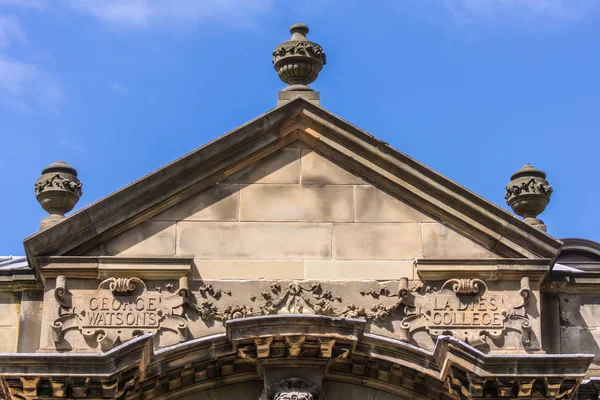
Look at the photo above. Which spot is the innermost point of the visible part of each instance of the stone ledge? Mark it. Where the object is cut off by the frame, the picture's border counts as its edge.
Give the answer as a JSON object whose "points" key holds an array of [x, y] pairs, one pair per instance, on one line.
{"points": [[136, 366], [486, 268], [290, 325], [99, 267]]}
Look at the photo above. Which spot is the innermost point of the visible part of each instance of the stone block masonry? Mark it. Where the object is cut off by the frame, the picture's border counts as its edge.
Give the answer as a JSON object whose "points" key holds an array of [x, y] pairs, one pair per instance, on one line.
{"points": [[296, 215], [9, 321]]}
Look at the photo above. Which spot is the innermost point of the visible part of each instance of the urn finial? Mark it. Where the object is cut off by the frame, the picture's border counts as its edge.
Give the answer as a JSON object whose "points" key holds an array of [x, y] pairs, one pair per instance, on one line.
{"points": [[58, 190], [298, 62], [528, 194]]}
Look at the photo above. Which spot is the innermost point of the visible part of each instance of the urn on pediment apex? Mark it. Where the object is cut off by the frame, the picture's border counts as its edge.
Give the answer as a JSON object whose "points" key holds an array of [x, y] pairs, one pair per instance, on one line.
{"points": [[298, 61], [528, 194], [57, 190]]}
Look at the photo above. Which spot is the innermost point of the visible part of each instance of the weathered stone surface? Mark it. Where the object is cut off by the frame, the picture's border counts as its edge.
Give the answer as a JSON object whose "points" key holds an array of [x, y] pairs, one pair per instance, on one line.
{"points": [[342, 391], [579, 310], [9, 308], [246, 269], [342, 270], [375, 205], [251, 240], [575, 339], [377, 241], [153, 238], [242, 391], [283, 166], [442, 242], [217, 203], [318, 170], [284, 97], [8, 339], [30, 322], [297, 203]]}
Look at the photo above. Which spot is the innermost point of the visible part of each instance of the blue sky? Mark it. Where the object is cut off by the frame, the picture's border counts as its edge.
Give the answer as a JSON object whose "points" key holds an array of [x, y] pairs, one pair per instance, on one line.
{"points": [[472, 88]]}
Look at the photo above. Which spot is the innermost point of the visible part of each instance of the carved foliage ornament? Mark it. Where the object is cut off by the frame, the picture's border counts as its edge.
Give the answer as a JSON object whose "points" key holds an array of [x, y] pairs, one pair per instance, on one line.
{"points": [[298, 61], [461, 307], [531, 186], [119, 310], [58, 182], [294, 299], [303, 49]]}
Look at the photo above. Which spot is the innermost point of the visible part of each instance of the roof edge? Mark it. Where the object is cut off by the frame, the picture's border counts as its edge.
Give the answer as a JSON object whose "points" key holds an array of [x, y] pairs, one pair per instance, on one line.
{"points": [[506, 234]]}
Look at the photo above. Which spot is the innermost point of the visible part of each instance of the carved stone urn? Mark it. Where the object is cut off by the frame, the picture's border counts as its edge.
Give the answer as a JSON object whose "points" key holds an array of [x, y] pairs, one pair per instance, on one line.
{"points": [[57, 190], [298, 61], [528, 194]]}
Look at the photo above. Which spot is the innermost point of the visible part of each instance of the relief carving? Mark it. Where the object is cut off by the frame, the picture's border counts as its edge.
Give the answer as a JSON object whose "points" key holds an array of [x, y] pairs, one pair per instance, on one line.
{"points": [[208, 290], [119, 310], [301, 48], [58, 182], [294, 299], [293, 389], [461, 308], [530, 186]]}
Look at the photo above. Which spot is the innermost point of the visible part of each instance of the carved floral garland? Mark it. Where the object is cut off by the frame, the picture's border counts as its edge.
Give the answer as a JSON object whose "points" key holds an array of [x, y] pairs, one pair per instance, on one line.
{"points": [[301, 48], [531, 186], [417, 312], [419, 308], [58, 182]]}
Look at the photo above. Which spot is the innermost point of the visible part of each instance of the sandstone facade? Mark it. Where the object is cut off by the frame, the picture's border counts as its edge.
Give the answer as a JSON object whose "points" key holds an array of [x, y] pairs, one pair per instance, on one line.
{"points": [[299, 256]]}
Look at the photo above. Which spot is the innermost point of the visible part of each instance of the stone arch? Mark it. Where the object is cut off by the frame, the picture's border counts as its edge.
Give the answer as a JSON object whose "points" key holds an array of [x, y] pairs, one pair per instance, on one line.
{"points": [[271, 355]]}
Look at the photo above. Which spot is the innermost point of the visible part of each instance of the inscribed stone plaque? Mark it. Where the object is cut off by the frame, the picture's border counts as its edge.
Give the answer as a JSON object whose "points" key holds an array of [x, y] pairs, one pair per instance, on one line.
{"points": [[119, 310]]}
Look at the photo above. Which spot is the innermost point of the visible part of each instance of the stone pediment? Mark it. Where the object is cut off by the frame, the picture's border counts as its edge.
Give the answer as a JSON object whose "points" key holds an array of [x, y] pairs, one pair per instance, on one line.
{"points": [[341, 165], [296, 212]]}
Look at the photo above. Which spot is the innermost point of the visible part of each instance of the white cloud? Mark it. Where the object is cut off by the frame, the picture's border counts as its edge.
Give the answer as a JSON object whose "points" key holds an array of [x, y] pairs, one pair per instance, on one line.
{"points": [[475, 10], [145, 13], [24, 86], [485, 12], [117, 87], [23, 3], [68, 143], [10, 31]]}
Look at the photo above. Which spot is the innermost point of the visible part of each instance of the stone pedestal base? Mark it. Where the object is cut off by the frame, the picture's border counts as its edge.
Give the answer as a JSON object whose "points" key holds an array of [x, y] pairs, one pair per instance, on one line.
{"points": [[309, 95]]}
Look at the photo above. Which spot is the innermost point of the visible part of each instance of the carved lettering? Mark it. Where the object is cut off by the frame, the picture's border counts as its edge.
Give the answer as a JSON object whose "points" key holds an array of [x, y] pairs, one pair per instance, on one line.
{"points": [[466, 312], [466, 309], [123, 310], [117, 311]]}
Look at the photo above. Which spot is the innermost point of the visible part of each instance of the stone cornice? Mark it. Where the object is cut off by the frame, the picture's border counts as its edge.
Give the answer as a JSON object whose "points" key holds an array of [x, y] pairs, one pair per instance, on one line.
{"points": [[56, 364], [487, 268], [101, 267], [289, 325], [19, 279], [154, 193], [461, 208], [468, 213], [574, 281], [350, 355]]}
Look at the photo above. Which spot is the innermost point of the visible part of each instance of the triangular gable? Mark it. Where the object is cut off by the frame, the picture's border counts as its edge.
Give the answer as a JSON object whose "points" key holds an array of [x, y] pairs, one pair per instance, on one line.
{"points": [[295, 213], [357, 152]]}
